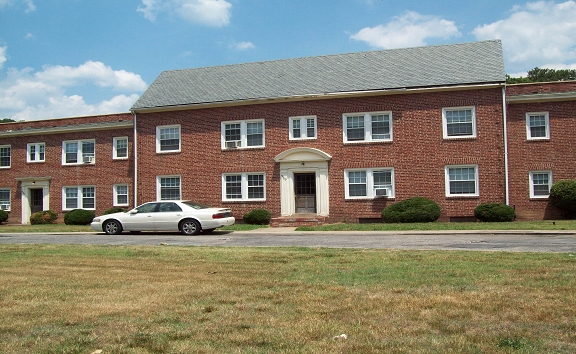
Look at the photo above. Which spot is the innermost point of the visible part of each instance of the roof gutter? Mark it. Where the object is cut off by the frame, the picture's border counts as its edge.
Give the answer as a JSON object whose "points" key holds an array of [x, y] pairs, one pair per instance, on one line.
{"points": [[67, 129]]}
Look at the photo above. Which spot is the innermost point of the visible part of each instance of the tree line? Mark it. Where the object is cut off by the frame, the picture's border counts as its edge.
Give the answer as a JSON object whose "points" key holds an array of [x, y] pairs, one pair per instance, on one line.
{"points": [[543, 75]]}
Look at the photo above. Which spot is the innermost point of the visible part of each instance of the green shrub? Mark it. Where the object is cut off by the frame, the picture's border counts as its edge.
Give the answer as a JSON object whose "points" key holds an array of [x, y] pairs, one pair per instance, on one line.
{"points": [[563, 196], [257, 217], [43, 217], [78, 217], [3, 216], [494, 212], [114, 210], [417, 209]]}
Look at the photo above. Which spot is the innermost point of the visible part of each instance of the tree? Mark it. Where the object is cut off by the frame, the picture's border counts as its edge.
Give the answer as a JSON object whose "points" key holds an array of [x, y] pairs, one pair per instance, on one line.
{"points": [[7, 120], [543, 75]]}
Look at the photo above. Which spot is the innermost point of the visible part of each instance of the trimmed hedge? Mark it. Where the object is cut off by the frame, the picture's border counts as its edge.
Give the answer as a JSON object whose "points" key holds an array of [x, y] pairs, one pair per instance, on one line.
{"points": [[416, 209], [494, 212], [563, 197], [79, 217], [114, 210], [257, 217], [43, 217], [3, 216]]}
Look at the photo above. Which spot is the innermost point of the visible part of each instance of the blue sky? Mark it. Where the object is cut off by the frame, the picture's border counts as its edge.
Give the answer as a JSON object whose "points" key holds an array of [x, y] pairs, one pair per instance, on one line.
{"points": [[64, 58]]}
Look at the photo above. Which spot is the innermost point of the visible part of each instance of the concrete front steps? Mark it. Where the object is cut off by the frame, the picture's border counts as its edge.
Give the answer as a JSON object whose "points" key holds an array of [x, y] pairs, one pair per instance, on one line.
{"points": [[298, 220]]}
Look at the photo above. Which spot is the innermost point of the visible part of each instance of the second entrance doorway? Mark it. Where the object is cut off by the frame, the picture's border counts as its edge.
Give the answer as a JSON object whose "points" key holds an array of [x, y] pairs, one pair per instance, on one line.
{"points": [[305, 192]]}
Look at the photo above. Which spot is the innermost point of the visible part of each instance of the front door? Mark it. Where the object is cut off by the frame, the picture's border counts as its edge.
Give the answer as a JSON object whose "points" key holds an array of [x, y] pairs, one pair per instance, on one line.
{"points": [[305, 191], [36, 200]]}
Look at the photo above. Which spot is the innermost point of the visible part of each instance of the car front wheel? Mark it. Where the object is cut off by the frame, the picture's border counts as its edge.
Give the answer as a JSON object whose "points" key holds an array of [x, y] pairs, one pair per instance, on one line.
{"points": [[189, 227], [112, 227]]}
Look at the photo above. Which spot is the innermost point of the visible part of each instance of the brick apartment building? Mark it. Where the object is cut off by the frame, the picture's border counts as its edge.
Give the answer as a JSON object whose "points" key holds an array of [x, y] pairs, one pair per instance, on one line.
{"points": [[338, 137]]}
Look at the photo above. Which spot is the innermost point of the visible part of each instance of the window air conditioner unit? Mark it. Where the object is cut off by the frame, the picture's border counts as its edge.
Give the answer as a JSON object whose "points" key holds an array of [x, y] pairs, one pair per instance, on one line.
{"points": [[88, 159], [381, 192], [4, 206], [233, 144]]}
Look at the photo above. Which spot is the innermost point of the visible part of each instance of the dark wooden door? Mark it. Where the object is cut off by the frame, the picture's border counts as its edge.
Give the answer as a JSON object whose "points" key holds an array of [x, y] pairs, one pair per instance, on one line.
{"points": [[36, 200], [305, 190]]}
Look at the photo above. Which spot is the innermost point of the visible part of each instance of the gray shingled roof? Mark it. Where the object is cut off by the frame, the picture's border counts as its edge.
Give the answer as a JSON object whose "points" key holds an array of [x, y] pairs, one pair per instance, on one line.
{"points": [[432, 66]]}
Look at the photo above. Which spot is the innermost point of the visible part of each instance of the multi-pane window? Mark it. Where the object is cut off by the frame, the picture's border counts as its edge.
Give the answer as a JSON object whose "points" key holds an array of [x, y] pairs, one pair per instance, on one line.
{"points": [[121, 194], [369, 183], [242, 134], [461, 180], [5, 199], [244, 186], [169, 188], [78, 151], [79, 197], [537, 126], [459, 122], [540, 184], [120, 149], [36, 152], [5, 152], [302, 127], [168, 138], [367, 127]]}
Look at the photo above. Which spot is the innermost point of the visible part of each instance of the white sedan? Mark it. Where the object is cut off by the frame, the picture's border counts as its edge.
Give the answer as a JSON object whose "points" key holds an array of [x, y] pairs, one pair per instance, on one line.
{"points": [[185, 216]]}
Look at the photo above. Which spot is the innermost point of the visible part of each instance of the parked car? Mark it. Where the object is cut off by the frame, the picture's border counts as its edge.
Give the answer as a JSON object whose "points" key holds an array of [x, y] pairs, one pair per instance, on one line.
{"points": [[185, 216]]}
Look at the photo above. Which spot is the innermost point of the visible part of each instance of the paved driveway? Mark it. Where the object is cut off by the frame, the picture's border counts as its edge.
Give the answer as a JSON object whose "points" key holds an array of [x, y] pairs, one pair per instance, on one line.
{"points": [[510, 241]]}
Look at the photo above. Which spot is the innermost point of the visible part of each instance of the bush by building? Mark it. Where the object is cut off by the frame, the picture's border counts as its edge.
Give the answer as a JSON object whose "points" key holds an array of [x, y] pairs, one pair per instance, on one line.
{"points": [[79, 217], [494, 212], [114, 210], [43, 217], [3, 216], [416, 209], [563, 197], [257, 217]]}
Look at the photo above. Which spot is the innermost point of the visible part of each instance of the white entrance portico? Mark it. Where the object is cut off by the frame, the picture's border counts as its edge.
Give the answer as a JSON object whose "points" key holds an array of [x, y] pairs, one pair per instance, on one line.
{"points": [[303, 161]]}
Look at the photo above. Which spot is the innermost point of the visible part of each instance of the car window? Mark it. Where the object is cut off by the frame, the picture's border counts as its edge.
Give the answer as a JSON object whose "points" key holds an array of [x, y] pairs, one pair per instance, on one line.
{"points": [[164, 207], [147, 208], [196, 205]]}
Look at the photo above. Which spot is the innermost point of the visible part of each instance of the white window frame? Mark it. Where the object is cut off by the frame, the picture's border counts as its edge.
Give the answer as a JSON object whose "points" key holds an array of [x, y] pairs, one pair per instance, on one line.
{"points": [[6, 205], [531, 178], [159, 186], [80, 155], [370, 186], [303, 121], [476, 181], [9, 147], [79, 197], [116, 194], [244, 187], [367, 127], [243, 134], [159, 135], [37, 153], [445, 122], [115, 148], [546, 122]]}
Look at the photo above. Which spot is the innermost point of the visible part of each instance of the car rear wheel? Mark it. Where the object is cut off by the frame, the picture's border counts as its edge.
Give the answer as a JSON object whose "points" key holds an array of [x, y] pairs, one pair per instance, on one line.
{"points": [[190, 227], [112, 227]]}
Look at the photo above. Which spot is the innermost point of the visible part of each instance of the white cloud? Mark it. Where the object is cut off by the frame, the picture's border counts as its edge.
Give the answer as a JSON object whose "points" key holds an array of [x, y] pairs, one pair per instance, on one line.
{"points": [[29, 95], [215, 13], [409, 30], [29, 4], [536, 33], [3, 56], [244, 46]]}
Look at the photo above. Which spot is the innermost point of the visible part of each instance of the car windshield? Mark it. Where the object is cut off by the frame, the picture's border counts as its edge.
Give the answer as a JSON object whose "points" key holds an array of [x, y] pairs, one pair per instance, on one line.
{"points": [[195, 205]]}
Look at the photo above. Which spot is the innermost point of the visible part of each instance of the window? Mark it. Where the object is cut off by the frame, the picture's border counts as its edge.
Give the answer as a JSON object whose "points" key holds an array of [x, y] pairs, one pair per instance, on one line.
{"points": [[459, 122], [243, 134], [540, 184], [5, 152], [36, 152], [461, 181], [79, 197], [364, 127], [5, 199], [244, 186], [168, 188], [537, 126], [369, 183], [168, 138], [79, 151], [120, 148], [120, 195], [302, 128]]}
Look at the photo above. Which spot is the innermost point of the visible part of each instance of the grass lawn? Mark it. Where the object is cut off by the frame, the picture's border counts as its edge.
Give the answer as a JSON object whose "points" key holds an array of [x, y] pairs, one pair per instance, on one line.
{"points": [[163, 299]]}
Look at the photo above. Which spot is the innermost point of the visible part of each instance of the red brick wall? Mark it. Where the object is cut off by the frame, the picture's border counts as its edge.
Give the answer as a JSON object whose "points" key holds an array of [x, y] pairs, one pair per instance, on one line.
{"points": [[418, 152], [103, 174]]}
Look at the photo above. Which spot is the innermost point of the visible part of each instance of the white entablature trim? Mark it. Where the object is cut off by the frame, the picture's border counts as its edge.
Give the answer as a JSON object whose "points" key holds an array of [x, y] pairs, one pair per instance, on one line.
{"points": [[302, 154]]}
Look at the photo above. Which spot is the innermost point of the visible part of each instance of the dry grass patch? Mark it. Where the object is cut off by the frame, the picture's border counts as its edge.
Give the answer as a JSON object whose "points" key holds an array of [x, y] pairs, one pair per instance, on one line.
{"points": [[78, 299]]}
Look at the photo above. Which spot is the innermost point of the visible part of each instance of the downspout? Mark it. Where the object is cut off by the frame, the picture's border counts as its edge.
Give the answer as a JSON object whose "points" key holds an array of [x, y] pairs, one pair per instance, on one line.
{"points": [[135, 161], [504, 116]]}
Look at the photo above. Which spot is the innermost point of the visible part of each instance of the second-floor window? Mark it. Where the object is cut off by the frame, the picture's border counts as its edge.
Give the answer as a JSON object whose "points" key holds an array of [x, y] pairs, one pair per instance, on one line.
{"points": [[5, 153], [78, 151], [168, 138], [302, 127], [120, 148], [365, 127], [459, 122], [243, 134], [537, 126], [36, 152]]}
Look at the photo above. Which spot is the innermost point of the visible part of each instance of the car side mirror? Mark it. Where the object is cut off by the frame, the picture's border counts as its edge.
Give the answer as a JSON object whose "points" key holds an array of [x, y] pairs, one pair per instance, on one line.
{"points": [[133, 211]]}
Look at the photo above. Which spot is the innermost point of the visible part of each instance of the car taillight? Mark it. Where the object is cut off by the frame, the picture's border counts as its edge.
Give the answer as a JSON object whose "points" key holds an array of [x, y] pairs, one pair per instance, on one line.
{"points": [[218, 216]]}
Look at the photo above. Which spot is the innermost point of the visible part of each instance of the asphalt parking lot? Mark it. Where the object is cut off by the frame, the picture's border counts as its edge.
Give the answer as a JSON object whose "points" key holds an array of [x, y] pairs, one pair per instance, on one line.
{"points": [[507, 241]]}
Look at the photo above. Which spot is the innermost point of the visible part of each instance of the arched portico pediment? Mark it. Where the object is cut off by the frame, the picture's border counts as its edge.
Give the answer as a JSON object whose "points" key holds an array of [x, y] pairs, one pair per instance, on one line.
{"points": [[302, 154]]}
